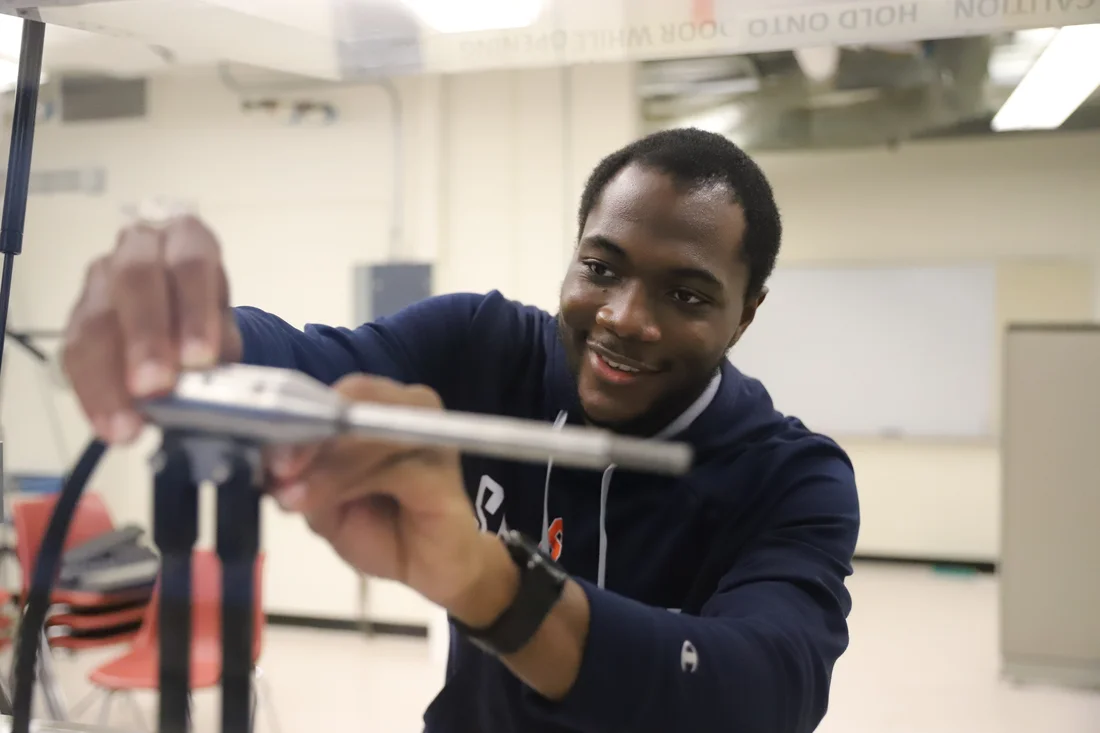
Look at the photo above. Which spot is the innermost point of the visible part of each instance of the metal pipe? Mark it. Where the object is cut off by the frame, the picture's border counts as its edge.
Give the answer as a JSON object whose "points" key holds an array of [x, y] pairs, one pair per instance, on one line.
{"points": [[28, 81], [516, 440], [281, 406]]}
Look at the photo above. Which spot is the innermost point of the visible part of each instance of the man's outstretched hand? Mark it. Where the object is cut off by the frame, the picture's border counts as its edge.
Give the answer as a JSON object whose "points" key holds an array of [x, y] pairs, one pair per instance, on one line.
{"points": [[401, 512], [398, 511]]}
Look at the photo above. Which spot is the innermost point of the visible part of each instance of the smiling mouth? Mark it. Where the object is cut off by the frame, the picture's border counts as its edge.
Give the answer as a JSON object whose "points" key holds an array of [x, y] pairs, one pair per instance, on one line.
{"points": [[619, 363], [619, 366]]}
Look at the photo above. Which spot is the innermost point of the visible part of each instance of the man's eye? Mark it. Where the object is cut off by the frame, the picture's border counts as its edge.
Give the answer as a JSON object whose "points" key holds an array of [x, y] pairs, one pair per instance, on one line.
{"points": [[598, 269], [686, 297]]}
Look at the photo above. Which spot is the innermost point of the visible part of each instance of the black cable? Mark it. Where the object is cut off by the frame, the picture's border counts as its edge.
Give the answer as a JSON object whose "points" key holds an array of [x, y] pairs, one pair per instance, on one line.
{"points": [[46, 568]]}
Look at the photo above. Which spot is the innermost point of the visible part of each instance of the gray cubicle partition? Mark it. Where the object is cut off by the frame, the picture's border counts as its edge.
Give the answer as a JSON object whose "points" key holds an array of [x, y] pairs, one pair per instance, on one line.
{"points": [[1050, 539]]}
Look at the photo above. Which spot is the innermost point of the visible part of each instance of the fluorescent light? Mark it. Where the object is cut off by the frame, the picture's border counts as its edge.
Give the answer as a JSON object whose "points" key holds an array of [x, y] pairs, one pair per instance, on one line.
{"points": [[1063, 77], [1010, 62], [466, 16]]}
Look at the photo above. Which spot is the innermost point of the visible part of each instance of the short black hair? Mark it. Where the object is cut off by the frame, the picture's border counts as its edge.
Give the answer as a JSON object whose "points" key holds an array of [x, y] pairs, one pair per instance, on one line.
{"points": [[694, 158]]}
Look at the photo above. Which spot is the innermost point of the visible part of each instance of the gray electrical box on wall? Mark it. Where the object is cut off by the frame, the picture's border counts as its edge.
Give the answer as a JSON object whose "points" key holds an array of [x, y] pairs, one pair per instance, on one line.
{"points": [[384, 289]]}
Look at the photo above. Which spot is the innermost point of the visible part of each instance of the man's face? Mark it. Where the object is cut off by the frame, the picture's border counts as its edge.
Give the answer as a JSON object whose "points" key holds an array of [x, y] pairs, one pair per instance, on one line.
{"points": [[654, 298]]}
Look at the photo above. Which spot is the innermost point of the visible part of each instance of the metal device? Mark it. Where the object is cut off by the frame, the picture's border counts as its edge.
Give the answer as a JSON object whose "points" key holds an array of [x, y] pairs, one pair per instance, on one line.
{"points": [[215, 424], [270, 406]]}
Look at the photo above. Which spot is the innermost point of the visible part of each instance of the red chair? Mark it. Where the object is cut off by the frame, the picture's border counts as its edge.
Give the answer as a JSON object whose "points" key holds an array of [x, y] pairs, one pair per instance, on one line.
{"points": [[31, 516], [138, 668], [77, 619]]}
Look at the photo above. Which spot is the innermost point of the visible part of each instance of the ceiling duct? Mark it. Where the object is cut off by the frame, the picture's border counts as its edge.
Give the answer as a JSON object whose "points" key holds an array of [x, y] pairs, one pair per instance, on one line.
{"points": [[875, 96]]}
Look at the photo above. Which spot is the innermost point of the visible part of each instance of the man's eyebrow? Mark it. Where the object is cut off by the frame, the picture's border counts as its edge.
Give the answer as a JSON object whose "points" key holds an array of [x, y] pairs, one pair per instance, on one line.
{"points": [[697, 273], [609, 246]]}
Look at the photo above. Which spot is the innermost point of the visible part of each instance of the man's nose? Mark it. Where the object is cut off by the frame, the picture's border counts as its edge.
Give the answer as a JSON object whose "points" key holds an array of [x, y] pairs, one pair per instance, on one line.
{"points": [[628, 314]]}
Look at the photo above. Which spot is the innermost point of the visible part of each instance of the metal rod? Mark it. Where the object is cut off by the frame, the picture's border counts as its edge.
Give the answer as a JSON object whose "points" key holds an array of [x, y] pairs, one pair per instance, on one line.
{"points": [[238, 544], [514, 439], [14, 215], [175, 531]]}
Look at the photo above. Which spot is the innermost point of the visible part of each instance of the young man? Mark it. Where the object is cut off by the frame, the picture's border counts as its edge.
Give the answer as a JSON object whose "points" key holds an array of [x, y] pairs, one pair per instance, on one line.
{"points": [[709, 602]]}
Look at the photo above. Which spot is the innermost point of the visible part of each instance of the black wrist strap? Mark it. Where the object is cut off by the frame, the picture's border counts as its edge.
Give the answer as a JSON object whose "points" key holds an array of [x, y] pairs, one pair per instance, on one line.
{"points": [[541, 582]]}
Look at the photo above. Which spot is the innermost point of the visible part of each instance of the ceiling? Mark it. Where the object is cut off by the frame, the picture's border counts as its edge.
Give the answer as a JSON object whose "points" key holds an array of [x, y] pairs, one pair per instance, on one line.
{"points": [[847, 86], [347, 39], [849, 96]]}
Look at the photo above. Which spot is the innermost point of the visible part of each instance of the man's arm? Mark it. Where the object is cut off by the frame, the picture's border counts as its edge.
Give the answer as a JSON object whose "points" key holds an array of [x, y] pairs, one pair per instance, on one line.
{"points": [[422, 344], [758, 658]]}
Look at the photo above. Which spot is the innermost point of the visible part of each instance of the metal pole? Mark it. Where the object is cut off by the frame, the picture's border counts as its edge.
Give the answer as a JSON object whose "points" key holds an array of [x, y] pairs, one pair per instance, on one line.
{"points": [[15, 212], [19, 159], [19, 173]]}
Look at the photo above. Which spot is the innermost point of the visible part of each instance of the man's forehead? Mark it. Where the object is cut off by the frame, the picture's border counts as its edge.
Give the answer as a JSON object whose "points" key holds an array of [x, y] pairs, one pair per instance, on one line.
{"points": [[647, 198]]}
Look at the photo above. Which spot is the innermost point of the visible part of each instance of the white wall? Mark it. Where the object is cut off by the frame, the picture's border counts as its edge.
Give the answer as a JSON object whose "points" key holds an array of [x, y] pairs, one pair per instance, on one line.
{"points": [[1027, 203], [493, 173]]}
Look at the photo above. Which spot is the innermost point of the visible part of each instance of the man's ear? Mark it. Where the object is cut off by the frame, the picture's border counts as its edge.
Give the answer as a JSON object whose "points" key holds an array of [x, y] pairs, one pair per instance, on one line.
{"points": [[747, 315]]}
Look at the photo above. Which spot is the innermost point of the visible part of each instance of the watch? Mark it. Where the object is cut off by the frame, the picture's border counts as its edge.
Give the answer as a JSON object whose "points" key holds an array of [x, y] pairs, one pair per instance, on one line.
{"points": [[541, 582]]}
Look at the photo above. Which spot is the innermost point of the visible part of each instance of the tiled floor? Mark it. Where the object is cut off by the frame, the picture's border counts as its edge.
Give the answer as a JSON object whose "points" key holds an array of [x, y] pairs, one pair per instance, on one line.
{"points": [[923, 660]]}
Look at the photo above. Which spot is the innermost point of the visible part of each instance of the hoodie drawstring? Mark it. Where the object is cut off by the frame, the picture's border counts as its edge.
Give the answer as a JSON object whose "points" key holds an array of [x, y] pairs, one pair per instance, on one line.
{"points": [[544, 541], [676, 426], [605, 487]]}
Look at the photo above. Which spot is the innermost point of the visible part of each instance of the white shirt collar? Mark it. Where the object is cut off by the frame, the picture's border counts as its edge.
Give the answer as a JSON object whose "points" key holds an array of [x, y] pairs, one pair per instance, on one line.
{"points": [[688, 416]]}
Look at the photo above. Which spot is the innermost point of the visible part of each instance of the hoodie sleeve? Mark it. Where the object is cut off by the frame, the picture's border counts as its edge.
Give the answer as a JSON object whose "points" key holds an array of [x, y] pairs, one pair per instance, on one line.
{"points": [[758, 658], [421, 344]]}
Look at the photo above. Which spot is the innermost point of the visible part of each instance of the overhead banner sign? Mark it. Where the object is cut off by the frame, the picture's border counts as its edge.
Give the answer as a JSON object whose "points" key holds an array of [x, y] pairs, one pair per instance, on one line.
{"points": [[741, 28], [343, 39]]}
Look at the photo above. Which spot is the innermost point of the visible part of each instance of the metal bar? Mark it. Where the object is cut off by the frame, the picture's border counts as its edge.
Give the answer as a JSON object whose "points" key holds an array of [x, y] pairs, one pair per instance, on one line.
{"points": [[19, 159], [27, 82], [514, 439], [268, 405], [238, 543], [175, 530]]}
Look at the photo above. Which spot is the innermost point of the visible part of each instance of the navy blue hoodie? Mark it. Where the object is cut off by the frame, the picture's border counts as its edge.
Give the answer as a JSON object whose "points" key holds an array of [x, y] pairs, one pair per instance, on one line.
{"points": [[717, 598]]}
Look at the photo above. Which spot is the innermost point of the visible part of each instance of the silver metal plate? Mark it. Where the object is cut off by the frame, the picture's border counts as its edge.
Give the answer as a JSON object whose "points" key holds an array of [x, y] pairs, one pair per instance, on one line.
{"points": [[250, 402]]}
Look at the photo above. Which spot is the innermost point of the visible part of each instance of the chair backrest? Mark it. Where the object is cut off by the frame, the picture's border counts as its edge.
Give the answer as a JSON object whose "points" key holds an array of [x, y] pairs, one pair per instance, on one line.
{"points": [[206, 605], [31, 517]]}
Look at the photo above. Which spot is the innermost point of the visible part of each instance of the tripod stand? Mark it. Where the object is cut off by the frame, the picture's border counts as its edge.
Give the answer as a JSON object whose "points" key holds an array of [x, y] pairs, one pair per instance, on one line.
{"points": [[183, 463]]}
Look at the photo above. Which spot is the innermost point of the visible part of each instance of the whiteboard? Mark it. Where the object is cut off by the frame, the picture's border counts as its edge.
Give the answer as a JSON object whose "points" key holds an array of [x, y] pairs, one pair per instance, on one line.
{"points": [[878, 351]]}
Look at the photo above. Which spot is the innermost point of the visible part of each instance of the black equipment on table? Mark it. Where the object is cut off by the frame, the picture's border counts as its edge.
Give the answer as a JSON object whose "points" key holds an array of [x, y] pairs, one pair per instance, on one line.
{"points": [[114, 561]]}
